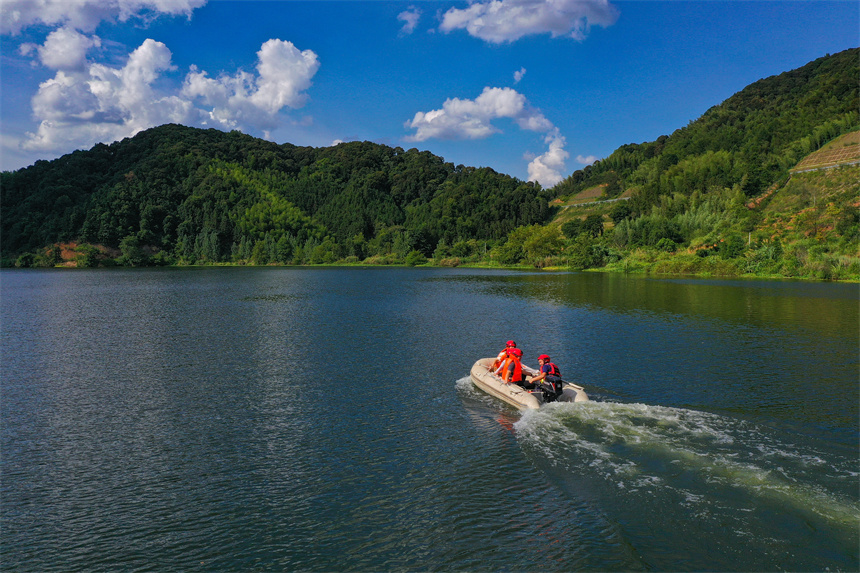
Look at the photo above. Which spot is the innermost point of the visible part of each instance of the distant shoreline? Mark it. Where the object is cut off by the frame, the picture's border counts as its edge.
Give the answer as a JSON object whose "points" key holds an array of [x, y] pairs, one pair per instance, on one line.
{"points": [[614, 268]]}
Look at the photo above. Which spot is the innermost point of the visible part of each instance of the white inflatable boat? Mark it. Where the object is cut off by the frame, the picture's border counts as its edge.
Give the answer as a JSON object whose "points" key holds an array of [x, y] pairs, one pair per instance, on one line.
{"points": [[483, 377]]}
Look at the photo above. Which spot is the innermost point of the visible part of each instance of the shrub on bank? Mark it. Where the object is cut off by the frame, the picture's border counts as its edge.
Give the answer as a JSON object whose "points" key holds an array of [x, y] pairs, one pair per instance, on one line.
{"points": [[450, 262], [691, 264], [389, 259], [415, 258]]}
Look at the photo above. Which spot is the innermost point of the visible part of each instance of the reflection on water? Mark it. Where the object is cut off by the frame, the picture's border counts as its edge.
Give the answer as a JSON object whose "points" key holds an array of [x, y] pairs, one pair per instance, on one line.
{"points": [[824, 307]]}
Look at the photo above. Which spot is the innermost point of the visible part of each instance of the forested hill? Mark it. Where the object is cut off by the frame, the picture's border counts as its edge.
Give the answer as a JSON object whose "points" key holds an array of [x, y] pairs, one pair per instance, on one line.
{"points": [[713, 197], [206, 196], [749, 141]]}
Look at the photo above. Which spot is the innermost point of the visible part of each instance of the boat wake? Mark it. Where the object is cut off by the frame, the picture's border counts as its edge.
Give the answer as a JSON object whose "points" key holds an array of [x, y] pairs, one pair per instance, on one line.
{"points": [[640, 447], [682, 479], [676, 464]]}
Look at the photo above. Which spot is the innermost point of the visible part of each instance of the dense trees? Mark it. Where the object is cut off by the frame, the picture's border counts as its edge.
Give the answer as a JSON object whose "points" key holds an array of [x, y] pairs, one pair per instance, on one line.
{"points": [[689, 191], [749, 140], [206, 196], [178, 195]]}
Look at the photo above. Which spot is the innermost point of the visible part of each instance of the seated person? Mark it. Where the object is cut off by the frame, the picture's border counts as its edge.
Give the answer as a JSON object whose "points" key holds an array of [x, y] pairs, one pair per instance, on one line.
{"points": [[549, 380], [503, 355], [512, 369]]}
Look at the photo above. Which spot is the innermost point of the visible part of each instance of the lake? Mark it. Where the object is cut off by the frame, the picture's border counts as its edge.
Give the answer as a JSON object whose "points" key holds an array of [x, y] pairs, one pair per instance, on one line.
{"points": [[322, 419]]}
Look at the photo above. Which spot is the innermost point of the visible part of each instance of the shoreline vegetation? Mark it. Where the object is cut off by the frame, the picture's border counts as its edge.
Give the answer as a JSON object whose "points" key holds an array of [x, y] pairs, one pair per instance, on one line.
{"points": [[656, 270], [640, 262], [765, 184], [806, 229]]}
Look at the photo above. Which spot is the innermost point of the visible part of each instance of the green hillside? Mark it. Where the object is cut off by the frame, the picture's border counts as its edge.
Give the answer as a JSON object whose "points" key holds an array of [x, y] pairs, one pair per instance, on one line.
{"points": [[175, 194], [750, 140], [716, 197], [689, 195]]}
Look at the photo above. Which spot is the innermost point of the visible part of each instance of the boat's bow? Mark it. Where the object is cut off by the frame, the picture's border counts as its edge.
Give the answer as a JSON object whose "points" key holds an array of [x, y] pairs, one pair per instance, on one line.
{"points": [[484, 378]]}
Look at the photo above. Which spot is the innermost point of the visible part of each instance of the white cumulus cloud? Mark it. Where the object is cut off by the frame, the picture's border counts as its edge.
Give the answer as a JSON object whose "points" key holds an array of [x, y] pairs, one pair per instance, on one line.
{"points": [[85, 103], [85, 15], [410, 19], [77, 108], [64, 49], [104, 103], [586, 160], [518, 75], [473, 119], [284, 73], [547, 169], [500, 21]]}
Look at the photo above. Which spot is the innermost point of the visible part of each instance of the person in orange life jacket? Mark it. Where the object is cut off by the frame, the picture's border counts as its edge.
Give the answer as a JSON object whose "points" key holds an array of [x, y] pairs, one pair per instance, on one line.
{"points": [[512, 370], [503, 355], [549, 380]]}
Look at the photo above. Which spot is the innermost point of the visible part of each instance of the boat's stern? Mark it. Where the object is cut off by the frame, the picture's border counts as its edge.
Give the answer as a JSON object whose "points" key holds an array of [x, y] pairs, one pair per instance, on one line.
{"points": [[573, 393]]}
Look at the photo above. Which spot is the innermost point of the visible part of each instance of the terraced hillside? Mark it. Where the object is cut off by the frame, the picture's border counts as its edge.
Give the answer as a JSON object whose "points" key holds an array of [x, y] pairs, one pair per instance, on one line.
{"points": [[843, 150]]}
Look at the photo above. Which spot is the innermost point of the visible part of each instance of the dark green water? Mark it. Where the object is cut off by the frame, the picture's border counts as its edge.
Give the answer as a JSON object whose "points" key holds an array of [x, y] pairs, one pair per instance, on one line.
{"points": [[323, 420]]}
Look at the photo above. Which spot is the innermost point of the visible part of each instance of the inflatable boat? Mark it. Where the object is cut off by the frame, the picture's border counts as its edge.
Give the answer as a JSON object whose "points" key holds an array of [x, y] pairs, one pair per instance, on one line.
{"points": [[518, 397]]}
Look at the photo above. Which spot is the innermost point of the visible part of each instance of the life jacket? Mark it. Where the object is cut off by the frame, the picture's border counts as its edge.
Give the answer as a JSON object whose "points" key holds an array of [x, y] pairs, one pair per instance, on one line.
{"points": [[503, 355], [517, 374], [554, 377]]}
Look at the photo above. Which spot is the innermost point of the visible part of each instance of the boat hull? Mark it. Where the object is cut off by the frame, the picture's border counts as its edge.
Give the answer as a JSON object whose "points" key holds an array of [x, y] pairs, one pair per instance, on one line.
{"points": [[483, 377]]}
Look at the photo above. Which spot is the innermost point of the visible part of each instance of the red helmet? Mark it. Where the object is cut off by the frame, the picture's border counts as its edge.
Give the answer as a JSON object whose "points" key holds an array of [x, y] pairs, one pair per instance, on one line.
{"points": [[511, 343], [516, 352], [543, 357]]}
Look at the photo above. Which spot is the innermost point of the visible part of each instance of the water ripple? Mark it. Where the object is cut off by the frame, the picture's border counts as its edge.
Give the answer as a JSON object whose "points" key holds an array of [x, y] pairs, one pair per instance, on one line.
{"points": [[320, 420]]}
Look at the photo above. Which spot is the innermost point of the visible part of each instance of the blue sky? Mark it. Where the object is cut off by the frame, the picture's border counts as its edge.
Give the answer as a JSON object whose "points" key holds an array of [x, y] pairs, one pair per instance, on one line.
{"points": [[532, 88]]}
